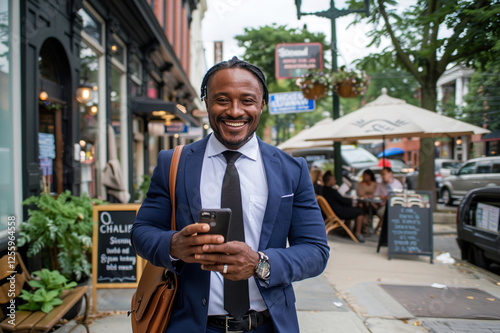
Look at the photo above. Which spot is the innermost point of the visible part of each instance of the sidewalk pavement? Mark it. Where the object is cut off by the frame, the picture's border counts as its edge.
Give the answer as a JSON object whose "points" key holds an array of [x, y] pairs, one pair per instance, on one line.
{"points": [[348, 297]]}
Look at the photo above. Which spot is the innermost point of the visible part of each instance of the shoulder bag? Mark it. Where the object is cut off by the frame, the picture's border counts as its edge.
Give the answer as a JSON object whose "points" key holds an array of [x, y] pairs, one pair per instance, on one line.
{"points": [[153, 300]]}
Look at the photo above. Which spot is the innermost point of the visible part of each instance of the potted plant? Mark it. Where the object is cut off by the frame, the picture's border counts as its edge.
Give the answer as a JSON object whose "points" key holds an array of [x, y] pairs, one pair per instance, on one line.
{"points": [[314, 84], [61, 229], [349, 84], [47, 289], [142, 190]]}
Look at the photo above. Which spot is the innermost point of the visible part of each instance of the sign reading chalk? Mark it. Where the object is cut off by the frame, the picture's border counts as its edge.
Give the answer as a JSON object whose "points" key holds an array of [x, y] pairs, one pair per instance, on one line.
{"points": [[409, 223], [114, 261]]}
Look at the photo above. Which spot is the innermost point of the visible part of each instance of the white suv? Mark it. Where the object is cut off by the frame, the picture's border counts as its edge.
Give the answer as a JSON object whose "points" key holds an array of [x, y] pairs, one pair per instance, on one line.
{"points": [[475, 173]]}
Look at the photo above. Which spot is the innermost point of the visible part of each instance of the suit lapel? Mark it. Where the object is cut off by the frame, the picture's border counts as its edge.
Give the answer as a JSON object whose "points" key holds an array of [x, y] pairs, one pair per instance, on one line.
{"points": [[192, 176], [272, 166]]}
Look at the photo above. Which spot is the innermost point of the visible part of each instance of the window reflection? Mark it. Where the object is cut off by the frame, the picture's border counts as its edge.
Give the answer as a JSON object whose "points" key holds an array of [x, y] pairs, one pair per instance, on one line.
{"points": [[6, 114], [89, 70], [116, 92], [91, 25]]}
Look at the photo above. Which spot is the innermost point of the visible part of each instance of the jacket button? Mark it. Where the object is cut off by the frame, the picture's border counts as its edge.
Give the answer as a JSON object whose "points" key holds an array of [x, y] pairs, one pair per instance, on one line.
{"points": [[203, 301]]}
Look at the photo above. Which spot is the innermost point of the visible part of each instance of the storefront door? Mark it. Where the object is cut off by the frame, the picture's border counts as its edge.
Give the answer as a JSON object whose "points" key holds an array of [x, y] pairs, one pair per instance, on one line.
{"points": [[51, 147]]}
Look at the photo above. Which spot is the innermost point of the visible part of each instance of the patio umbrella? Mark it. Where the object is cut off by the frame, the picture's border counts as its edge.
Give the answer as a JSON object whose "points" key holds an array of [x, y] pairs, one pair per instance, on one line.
{"points": [[391, 152], [388, 117], [299, 141]]}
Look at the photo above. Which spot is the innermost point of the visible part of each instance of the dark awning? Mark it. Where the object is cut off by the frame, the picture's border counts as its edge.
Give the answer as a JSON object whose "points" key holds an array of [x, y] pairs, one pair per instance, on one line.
{"points": [[493, 136], [143, 106]]}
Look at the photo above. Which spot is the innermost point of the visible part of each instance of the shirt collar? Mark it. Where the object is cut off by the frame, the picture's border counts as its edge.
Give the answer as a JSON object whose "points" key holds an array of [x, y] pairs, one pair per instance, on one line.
{"points": [[249, 149]]}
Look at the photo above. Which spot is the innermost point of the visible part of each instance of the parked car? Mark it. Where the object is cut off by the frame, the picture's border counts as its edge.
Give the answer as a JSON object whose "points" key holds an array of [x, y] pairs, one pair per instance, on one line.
{"points": [[478, 226], [354, 157], [475, 173], [442, 168], [399, 166]]}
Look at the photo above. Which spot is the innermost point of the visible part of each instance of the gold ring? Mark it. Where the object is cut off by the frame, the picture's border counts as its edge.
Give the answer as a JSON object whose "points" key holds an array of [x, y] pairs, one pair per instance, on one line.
{"points": [[224, 271]]}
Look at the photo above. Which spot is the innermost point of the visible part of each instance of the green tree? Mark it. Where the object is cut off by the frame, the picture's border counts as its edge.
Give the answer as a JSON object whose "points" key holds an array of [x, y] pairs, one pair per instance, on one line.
{"points": [[260, 44], [427, 38], [483, 99]]}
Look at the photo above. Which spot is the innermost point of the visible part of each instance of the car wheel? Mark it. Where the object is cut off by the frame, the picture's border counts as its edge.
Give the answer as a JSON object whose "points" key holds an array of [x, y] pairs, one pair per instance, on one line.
{"points": [[446, 196]]}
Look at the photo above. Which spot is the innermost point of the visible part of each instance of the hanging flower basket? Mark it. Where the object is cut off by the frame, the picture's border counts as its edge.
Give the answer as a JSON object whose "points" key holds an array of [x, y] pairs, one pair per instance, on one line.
{"points": [[314, 90], [346, 90], [349, 84], [314, 85]]}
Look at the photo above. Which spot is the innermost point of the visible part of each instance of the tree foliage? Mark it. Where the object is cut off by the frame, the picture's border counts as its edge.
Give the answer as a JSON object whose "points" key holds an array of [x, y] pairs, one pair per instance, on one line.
{"points": [[426, 39], [260, 45], [483, 99]]}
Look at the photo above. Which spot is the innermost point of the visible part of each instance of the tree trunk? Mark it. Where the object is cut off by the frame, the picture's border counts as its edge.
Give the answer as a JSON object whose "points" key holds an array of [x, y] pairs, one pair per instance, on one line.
{"points": [[426, 178]]}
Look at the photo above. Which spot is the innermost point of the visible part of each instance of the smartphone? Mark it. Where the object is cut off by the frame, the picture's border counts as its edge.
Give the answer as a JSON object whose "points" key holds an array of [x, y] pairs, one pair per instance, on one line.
{"points": [[218, 220]]}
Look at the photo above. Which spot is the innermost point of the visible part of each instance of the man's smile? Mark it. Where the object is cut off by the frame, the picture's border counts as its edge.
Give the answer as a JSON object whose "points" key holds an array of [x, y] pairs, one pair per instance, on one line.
{"points": [[234, 123]]}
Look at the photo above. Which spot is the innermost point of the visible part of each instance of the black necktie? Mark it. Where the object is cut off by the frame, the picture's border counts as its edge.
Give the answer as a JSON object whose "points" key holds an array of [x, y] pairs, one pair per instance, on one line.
{"points": [[236, 299]]}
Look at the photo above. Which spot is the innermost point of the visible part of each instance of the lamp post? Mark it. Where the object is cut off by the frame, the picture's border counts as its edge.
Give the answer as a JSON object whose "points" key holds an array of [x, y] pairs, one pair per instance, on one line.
{"points": [[333, 13]]}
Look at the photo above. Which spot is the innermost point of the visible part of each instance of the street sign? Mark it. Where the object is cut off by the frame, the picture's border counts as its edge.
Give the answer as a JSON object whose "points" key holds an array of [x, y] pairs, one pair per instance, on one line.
{"points": [[290, 102], [176, 127], [294, 60]]}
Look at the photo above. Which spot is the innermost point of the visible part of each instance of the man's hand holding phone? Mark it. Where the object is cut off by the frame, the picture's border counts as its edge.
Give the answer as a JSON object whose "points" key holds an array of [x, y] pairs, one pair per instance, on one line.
{"points": [[211, 229]]}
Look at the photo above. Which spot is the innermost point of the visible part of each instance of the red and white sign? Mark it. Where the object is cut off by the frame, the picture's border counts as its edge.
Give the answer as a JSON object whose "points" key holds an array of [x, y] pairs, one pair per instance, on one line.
{"points": [[294, 60]]}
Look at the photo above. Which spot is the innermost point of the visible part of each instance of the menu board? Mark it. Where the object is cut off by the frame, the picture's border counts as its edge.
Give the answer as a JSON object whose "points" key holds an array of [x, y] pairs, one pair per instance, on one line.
{"points": [[409, 223], [487, 217], [114, 261]]}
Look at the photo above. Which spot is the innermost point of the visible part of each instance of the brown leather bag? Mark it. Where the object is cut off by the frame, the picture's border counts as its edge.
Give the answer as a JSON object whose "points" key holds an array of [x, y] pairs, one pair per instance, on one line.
{"points": [[153, 301]]}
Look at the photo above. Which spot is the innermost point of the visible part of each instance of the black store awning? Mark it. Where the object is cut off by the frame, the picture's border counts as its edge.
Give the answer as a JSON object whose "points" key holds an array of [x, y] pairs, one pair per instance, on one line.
{"points": [[145, 106], [493, 136]]}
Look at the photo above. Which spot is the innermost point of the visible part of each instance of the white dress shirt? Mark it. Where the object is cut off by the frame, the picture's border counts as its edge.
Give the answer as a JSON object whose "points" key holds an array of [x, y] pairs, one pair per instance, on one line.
{"points": [[254, 193]]}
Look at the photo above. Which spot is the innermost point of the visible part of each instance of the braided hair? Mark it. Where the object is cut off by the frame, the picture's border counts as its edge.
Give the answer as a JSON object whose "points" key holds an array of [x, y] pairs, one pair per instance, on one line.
{"points": [[235, 63]]}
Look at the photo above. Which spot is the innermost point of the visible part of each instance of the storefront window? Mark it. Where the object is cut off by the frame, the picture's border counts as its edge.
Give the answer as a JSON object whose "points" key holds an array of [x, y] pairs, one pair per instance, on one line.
{"points": [[117, 50], [91, 25], [135, 76], [88, 120], [115, 107], [153, 88], [6, 119]]}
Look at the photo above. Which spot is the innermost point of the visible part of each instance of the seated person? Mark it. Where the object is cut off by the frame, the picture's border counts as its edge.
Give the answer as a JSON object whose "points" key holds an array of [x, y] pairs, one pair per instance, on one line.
{"points": [[316, 176], [342, 206], [389, 184], [365, 189], [367, 186]]}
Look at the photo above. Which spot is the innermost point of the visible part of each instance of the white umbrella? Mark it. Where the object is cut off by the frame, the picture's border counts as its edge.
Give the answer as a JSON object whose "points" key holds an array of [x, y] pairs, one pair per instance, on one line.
{"points": [[388, 117], [300, 140]]}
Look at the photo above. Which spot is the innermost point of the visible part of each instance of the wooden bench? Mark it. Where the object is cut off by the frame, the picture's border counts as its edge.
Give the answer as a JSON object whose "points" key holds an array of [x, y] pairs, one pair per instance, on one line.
{"points": [[35, 321]]}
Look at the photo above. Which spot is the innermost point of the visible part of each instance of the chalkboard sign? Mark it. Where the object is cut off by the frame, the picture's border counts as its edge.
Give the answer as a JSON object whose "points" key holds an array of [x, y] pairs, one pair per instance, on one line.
{"points": [[114, 261], [409, 223]]}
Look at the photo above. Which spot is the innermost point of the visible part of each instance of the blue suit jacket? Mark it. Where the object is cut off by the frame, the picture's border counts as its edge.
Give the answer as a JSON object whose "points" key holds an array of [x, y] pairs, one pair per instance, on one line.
{"points": [[292, 214]]}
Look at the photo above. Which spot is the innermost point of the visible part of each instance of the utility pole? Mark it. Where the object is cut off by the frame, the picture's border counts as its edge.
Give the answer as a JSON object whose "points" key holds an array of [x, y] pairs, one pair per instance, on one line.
{"points": [[333, 13]]}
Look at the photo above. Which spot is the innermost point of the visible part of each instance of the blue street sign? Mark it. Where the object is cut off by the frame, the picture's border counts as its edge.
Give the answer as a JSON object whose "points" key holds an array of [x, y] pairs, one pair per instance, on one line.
{"points": [[176, 127], [290, 102]]}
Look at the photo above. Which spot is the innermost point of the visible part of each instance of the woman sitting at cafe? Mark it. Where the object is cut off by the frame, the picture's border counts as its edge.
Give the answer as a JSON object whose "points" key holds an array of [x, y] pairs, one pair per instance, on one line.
{"points": [[367, 186], [365, 189]]}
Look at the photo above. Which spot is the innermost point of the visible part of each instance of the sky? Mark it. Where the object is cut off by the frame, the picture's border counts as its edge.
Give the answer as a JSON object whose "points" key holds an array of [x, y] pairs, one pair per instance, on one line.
{"points": [[225, 19]]}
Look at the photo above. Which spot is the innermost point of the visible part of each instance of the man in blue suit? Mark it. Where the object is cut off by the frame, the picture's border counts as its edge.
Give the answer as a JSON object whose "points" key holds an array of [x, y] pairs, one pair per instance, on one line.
{"points": [[285, 238]]}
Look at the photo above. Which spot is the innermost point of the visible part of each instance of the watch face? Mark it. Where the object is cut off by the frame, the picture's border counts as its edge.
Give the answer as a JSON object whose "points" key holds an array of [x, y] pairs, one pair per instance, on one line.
{"points": [[263, 270]]}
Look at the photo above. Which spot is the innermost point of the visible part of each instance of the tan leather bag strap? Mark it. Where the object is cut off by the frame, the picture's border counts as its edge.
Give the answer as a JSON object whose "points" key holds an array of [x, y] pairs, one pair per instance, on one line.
{"points": [[174, 165]]}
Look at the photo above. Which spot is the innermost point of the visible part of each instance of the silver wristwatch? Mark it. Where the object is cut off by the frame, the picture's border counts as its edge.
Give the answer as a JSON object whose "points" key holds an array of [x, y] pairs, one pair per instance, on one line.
{"points": [[263, 268]]}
